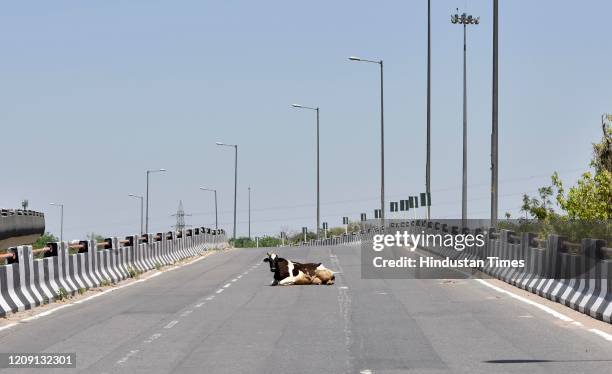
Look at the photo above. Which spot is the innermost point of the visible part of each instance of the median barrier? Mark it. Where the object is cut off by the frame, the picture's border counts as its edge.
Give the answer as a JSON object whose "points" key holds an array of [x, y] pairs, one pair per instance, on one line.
{"points": [[26, 282]]}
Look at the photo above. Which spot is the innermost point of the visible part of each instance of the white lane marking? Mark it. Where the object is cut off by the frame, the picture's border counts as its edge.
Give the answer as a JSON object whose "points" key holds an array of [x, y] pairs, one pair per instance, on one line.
{"points": [[604, 335], [45, 313], [544, 308], [199, 305], [186, 313], [526, 316], [210, 297], [240, 276], [8, 326], [115, 288], [153, 337], [171, 324], [127, 357], [366, 371], [235, 279], [220, 290], [227, 285], [344, 303]]}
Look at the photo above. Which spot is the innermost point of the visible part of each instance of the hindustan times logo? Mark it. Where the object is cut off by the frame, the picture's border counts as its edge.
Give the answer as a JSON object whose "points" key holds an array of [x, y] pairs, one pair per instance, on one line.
{"points": [[411, 241]]}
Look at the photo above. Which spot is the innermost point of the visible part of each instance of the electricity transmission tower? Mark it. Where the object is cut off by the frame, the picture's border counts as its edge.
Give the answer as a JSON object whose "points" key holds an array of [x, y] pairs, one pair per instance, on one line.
{"points": [[180, 217]]}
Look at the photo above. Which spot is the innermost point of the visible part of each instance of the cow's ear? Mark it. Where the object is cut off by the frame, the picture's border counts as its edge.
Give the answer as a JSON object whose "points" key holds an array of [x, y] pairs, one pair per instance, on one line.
{"points": [[266, 260]]}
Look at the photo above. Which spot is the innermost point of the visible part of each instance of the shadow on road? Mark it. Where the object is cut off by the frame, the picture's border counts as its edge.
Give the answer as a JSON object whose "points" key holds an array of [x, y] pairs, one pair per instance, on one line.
{"points": [[526, 361]]}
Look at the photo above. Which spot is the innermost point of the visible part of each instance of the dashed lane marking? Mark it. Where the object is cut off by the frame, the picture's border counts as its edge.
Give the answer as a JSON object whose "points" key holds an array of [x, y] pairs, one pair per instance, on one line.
{"points": [[127, 357], [152, 338]]}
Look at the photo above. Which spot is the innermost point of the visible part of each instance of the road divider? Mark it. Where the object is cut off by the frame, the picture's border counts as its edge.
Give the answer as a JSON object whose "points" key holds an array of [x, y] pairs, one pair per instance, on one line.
{"points": [[70, 268]]}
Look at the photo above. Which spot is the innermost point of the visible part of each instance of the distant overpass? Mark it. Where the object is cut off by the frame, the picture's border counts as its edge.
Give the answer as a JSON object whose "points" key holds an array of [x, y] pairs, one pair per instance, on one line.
{"points": [[18, 227]]}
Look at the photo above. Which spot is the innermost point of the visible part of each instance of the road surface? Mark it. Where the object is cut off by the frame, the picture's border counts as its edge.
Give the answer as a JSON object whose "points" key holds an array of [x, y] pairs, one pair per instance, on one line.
{"points": [[220, 315]]}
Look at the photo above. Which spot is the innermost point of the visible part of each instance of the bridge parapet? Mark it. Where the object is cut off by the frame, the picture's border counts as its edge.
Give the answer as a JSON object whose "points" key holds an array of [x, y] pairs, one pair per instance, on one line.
{"points": [[68, 268], [18, 226]]}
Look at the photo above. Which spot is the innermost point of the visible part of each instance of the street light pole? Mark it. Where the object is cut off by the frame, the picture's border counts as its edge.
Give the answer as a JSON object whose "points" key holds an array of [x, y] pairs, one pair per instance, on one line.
{"points": [[235, 179], [318, 179], [61, 219], [249, 213], [495, 115], [382, 139], [428, 157], [216, 215], [148, 173], [141, 210], [464, 20]]}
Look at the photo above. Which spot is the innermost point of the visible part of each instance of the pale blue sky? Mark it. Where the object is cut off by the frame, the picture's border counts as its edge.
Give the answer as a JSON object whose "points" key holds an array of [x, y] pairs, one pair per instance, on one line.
{"points": [[94, 93]]}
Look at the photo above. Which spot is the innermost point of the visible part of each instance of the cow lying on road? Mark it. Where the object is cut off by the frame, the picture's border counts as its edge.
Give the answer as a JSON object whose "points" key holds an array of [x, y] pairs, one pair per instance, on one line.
{"points": [[288, 272]]}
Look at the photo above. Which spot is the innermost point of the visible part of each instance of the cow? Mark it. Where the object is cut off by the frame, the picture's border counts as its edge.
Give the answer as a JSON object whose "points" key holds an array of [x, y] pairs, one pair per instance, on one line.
{"points": [[287, 272]]}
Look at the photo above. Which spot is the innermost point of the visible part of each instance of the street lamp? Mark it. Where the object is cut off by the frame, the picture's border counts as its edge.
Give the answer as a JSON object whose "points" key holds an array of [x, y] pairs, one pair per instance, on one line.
{"points": [[464, 19], [216, 216], [318, 179], [382, 138], [235, 178], [141, 204], [428, 156], [61, 219], [149, 172], [249, 212], [495, 115]]}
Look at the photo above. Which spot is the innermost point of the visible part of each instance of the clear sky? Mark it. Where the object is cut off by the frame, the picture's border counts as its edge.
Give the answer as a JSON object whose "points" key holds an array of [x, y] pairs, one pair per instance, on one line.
{"points": [[93, 93]]}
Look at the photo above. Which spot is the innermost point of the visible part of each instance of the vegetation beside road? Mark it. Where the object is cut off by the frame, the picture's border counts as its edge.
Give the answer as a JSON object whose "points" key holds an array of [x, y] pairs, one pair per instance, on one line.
{"points": [[583, 211]]}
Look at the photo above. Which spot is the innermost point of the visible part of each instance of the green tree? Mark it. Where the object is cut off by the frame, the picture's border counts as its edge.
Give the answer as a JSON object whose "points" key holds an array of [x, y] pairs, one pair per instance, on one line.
{"points": [[269, 241], [44, 239], [243, 242], [585, 209], [589, 199]]}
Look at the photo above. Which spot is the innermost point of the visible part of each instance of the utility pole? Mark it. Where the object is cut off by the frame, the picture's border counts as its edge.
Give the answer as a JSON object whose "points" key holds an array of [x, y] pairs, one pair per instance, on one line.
{"points": [[428, 161], [318, 174], [249, 212], [235, 179], [216, 215], [382, 138], [464, 20], [141, 210], [495, 116]]}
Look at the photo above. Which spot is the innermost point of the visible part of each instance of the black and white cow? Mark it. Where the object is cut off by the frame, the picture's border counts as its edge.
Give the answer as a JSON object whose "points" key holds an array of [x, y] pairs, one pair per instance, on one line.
{"points": [[287, 272]]}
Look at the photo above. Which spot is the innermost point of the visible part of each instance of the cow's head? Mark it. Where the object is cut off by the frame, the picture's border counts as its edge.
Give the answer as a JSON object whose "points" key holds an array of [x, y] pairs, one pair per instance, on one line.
{"points": [[272, 259]]}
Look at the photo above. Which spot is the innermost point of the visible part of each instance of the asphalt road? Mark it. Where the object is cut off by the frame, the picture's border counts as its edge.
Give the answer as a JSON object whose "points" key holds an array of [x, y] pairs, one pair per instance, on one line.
{"points": [[220, 315]]}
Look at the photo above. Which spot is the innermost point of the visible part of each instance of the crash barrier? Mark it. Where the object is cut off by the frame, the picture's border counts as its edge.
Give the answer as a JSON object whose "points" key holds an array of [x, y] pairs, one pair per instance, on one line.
{"points": [[26, 282], [18, 226], [578, 275], [347, 238]]}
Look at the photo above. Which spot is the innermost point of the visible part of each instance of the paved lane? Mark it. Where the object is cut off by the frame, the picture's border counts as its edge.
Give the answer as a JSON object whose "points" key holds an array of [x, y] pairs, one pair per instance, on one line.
{"points": [[220, 316]]}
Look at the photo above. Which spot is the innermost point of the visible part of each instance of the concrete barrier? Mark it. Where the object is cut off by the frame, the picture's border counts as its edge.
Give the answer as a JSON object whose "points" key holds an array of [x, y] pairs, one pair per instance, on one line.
{"points": [[26, 282], [581, 280]]}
